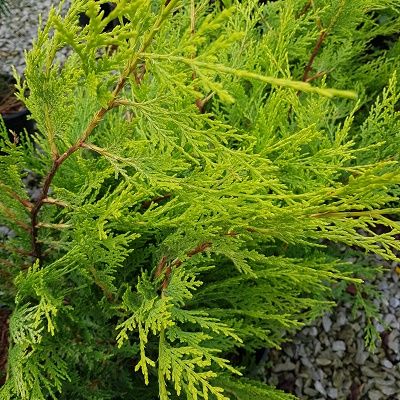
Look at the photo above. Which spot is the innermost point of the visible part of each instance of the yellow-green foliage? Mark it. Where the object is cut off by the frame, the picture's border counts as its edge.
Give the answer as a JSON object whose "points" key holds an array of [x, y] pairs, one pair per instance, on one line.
{"points": [[195, 162]]}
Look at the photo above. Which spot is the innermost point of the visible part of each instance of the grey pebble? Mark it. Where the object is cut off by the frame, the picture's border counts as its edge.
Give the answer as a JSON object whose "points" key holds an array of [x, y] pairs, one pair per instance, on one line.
{"points": [[390, 390], [393, 341], [341, 318], [326, 323], [306, 362], [361, 357], [375, 395], [387, 364], [371, 373], [394, 302], [319, 387], [313, 331], [332, 393], [286, 366], [323, 362], [338, 345], [310, 392]]}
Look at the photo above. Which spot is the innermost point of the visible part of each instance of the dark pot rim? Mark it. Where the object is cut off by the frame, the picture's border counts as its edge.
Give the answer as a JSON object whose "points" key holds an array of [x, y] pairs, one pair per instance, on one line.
{"points": [[13, 115]]}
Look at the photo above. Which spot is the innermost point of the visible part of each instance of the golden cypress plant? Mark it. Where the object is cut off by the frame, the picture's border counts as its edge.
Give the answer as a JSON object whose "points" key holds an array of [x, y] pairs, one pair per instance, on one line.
{"points": [[194, 163]]}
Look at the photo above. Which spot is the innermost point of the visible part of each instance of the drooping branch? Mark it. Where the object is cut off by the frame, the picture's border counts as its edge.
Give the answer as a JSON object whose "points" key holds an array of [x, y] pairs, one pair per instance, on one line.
{"points": [[94, 122], [355, 214]]}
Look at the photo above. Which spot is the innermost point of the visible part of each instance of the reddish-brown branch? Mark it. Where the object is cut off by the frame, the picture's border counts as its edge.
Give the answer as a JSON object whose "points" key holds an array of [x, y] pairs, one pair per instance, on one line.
{"points": [[314, 54], [97, 118], [25, 202], [161, 266], [167, 269], [36, 248], [50, 200], [316, 76], [199, 249], [165, 282], [305, 9]]}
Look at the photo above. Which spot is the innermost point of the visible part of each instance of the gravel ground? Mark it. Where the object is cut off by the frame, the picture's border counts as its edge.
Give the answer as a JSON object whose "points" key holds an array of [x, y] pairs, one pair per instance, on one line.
{"points": [[328, 360], [17, 29], [325, 361]]}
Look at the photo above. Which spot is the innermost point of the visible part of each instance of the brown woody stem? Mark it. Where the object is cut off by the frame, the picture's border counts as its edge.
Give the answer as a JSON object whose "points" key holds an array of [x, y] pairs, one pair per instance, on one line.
{"points": [[97, 118], [314, 54]]}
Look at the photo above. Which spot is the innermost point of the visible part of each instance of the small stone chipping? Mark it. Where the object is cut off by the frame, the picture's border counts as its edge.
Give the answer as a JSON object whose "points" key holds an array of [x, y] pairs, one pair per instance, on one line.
{"points": [[329, 360]]}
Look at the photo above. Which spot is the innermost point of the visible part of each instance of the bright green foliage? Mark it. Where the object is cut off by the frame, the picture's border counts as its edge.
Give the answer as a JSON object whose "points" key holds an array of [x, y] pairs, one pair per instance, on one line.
{"points": [[192, 178]]}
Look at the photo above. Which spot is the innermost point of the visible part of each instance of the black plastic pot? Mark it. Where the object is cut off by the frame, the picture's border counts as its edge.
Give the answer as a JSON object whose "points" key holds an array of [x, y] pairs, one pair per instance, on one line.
{"points": [[15, 121], [18, 122]]}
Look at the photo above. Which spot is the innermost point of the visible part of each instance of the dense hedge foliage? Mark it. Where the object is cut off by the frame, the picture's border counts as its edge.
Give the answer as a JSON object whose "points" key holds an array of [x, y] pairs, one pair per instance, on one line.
{"points": [[195, 163]]}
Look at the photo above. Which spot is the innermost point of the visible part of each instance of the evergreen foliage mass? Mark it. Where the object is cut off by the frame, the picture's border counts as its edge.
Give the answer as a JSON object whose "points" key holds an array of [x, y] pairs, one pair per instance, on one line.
{"points": [[195, 162]]}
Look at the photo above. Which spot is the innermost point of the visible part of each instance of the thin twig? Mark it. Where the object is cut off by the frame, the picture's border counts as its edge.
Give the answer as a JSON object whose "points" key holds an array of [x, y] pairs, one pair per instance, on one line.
{"points": [[354, 214], [316, 76], [25, 202], [314, 54], [50, 200], [167, 269], [305, 9]]}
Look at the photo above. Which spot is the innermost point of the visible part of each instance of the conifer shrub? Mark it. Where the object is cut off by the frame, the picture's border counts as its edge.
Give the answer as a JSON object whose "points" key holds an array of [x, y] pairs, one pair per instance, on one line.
{"points": [[195, 162]]}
